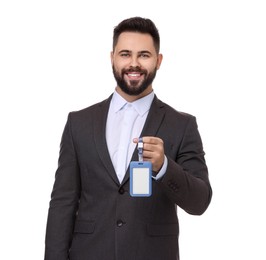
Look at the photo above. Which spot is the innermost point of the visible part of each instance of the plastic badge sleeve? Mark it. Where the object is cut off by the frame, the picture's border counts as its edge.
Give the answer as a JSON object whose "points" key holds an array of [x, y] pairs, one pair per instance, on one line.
{"points": [[140, 179]]}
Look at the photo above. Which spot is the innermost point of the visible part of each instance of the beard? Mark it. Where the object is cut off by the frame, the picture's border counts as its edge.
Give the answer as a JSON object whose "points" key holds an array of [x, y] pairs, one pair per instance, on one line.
{"points": [[134, 87]]}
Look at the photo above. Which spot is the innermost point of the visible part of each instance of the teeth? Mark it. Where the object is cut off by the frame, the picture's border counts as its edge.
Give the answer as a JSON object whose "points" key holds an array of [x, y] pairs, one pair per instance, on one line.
{"points": [[133, 75]]}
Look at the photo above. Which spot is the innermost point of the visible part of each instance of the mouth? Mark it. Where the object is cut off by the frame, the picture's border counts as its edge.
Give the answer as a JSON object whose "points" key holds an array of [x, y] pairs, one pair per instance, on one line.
{"points": [[134, 75]]}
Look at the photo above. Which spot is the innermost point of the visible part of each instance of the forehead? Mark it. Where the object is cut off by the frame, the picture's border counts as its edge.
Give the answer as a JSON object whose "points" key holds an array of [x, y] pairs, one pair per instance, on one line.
{"points": [[135, 41]]}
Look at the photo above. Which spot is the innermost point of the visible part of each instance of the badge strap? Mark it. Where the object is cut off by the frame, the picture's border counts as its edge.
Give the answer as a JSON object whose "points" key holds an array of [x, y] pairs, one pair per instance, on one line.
{"points": [[140, 149]]}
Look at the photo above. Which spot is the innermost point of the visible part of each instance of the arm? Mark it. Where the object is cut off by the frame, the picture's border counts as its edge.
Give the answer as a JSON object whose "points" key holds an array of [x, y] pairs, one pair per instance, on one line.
{"points": [[186, 179], [64, 200]]}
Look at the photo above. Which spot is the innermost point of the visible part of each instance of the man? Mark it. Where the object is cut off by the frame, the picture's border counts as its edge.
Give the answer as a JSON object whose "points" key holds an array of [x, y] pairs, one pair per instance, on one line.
{"points": [[92, 215]]}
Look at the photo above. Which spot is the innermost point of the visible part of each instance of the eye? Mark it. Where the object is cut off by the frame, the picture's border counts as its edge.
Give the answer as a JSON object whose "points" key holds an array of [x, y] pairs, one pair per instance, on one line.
{"points": [[144, 55], [124, 54]]}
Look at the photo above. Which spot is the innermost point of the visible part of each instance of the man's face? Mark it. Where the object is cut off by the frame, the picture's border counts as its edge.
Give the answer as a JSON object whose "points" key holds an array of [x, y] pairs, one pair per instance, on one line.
{"points": [[135, 62]]}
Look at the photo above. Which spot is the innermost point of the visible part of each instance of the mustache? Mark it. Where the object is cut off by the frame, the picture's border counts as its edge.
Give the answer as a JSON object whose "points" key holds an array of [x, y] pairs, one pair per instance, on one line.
{"points": [[134, 69]]}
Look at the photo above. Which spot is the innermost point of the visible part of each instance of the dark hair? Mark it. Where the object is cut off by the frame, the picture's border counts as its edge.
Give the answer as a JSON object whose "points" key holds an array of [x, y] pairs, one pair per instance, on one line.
{"points": [[137, 24]]}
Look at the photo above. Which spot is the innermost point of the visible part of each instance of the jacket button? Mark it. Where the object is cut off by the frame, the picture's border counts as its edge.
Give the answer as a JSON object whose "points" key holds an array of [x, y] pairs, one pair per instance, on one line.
{"points": [[121, 191], [120, 223]]}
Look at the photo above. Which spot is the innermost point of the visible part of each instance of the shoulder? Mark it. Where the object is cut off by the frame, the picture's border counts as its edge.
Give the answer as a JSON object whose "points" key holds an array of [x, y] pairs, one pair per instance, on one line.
{"points": [[91, 110], [171, 111], [176, 121]]}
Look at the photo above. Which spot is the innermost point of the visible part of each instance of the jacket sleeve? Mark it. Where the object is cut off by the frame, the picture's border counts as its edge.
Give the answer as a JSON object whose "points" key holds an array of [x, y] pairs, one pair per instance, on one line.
{"points": [[64, 200], [186, 179]]}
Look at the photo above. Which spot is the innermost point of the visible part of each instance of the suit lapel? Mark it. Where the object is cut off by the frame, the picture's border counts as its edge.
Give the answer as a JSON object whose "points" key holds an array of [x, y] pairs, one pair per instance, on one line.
{"points": [[99, 120], [150, 128]]}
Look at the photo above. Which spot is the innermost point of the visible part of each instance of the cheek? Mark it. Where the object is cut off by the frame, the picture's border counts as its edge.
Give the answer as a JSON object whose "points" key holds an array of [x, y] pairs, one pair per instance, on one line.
{"points": [[118, 65], [152, 67]]}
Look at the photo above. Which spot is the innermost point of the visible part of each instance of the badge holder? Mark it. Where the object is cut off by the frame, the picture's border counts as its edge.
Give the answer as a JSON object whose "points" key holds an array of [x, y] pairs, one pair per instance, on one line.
{"points": [[140, 175]]}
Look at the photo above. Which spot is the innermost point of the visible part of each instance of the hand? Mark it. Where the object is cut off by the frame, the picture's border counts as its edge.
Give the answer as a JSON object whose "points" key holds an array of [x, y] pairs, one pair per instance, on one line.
{"points": [[153, 151]]}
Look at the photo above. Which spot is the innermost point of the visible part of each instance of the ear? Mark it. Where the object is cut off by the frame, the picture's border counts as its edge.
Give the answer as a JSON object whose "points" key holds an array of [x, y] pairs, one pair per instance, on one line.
{"points": [[112, 56], [159, 60]]}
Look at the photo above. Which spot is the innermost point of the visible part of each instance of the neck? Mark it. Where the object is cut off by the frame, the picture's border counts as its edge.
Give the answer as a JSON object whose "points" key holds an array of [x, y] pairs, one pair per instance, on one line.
{"points": [[130, 98]]}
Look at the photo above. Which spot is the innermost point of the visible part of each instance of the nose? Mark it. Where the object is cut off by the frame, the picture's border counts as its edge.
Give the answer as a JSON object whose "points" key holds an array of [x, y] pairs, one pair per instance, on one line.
{"points": [[134, 62]]}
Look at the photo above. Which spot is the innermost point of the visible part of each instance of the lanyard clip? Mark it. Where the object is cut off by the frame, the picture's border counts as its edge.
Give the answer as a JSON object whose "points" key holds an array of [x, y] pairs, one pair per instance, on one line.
{"points": [[140, 149]]}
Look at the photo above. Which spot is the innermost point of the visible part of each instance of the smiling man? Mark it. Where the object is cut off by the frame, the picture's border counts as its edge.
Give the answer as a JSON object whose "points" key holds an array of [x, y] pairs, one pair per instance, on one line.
{"points": [[93, 214], [135, 63]]}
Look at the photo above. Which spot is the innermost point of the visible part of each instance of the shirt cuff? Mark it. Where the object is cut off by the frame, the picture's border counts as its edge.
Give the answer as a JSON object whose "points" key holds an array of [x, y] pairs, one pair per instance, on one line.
{"points": [[163, 169]]}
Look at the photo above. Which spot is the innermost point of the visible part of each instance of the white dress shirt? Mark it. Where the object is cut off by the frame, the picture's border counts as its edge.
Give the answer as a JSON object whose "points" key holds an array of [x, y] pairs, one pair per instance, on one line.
{"points": [[114, 125]]}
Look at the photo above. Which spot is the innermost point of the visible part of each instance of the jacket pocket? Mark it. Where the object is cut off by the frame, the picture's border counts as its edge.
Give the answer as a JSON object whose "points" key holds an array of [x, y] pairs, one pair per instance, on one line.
{"points": [[163, 229], [84, 227]]}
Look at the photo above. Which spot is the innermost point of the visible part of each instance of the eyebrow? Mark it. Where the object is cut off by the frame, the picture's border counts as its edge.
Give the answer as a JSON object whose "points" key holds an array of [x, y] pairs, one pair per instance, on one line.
{"points": [[140, 52]]}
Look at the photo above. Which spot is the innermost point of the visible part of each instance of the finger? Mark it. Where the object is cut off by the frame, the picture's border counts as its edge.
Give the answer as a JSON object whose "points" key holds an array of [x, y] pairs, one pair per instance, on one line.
{"points": [[157, 147], [135, 140], [152, 140], [149, 139], [148, 154]]}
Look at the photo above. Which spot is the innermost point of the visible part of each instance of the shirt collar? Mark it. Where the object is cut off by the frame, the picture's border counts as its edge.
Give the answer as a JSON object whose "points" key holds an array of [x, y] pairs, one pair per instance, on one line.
{"points": [[141, 105]]}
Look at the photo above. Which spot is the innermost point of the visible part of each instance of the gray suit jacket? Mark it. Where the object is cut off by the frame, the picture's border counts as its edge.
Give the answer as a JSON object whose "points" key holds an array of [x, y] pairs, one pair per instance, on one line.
{"points": [[93, 217]]}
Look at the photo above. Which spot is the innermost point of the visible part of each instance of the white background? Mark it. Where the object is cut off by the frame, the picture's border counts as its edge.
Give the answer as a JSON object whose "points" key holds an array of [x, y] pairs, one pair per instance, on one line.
{"points": [[54, 58]]}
